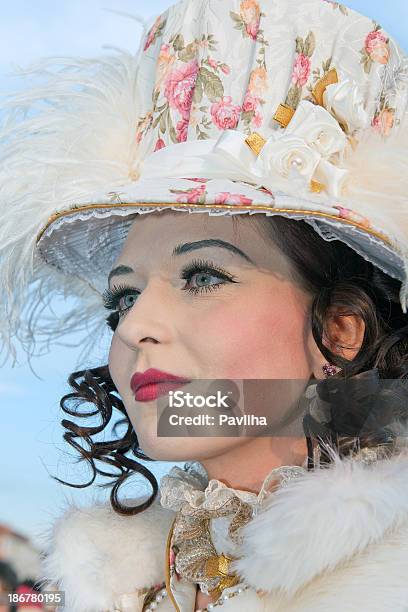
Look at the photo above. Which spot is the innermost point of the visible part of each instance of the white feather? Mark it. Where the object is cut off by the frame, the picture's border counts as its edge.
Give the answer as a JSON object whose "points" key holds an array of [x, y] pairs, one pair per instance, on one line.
{"points": [[378, 186], [72, 132]]}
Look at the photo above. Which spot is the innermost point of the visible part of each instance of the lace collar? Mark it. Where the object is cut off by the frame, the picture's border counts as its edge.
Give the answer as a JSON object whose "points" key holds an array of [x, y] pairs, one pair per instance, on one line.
{"points": [[190, 487]]}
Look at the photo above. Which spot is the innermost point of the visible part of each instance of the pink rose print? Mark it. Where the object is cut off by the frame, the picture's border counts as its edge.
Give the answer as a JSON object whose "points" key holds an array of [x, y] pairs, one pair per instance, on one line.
{"points": [[376, 46], [225, 197], [384, 121], [250, 14], [347, 213], [225, 114], [258, 81], [191, 196], [160, 144], [180, 85], [164, 63], [212, 63], [153, 33], [225, 69], [250, 103], [301, 70], [257, 120], [181, 130]]}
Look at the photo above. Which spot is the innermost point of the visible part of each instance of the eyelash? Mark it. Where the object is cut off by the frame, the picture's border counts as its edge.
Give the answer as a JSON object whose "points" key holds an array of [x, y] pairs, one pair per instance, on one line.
{"points": [[112, 297]]}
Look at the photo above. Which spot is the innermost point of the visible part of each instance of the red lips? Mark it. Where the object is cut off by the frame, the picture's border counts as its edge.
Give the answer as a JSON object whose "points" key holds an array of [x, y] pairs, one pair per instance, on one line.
{"points": [[153, 376]]}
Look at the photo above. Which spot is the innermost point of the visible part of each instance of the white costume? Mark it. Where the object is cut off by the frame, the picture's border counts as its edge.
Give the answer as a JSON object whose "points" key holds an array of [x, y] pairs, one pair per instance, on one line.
{"points": [[295, 108], [333, 539]]}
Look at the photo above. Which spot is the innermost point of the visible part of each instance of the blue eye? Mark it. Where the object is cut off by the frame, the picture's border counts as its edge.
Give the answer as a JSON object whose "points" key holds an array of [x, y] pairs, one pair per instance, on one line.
{"points": [[121, 298]]}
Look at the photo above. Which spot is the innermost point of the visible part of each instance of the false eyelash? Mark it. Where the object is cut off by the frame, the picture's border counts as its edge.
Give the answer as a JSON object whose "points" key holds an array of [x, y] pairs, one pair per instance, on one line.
{"points": [[111, 297], [202, 265]]}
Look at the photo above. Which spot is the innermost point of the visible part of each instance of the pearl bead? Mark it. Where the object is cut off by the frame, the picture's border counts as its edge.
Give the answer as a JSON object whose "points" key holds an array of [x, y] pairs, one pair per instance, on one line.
{"points": [[163, 593], [210, 607], [296, 162], [239, 590], [153, 605], [158, 598]]}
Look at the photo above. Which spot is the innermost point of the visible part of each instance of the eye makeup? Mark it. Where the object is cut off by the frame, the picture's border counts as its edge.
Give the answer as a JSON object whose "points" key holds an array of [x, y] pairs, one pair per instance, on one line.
{"points": [[120, 298]]}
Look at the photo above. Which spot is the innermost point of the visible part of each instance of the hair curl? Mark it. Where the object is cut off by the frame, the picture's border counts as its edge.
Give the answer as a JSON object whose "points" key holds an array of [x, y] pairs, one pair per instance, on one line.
{"points": [[336, 276]]}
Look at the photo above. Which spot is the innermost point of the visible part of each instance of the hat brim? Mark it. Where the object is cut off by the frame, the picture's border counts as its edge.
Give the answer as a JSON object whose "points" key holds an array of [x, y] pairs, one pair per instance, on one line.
{"points": [[85, 239]]}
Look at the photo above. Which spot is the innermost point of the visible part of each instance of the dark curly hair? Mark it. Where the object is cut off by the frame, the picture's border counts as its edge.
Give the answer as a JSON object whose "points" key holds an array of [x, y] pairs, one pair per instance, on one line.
{"points": [[336, 276]]}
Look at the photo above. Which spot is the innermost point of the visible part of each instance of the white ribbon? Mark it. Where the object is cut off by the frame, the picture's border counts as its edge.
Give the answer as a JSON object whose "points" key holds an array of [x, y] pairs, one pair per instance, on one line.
{"points": [[302, 152]]}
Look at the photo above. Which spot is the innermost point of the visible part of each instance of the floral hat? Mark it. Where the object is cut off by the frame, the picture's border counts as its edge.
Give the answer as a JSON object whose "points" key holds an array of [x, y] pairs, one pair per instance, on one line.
{"points": [[293, 107]]}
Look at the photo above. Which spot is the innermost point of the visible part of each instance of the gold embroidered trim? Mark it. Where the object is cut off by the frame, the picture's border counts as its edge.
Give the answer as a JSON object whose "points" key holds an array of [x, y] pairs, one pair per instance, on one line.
{"points": [[167, 567], [329, 78], [255, 142], [284, 114], [72, 211], [219, 566]]}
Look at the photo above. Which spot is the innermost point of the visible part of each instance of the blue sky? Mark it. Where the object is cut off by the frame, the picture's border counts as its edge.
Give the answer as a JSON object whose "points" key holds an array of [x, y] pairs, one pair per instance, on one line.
{"points": [[31, 442]]}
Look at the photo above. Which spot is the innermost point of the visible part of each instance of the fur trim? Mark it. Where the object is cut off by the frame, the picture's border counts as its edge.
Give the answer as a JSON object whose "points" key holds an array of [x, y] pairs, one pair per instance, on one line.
{"points": [[344, 525], [95, 555], [321, 520]]}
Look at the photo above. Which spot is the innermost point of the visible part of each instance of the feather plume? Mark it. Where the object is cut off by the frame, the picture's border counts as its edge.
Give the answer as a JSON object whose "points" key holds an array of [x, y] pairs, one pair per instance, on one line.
{"points": [[72, 132], [377, 186]]}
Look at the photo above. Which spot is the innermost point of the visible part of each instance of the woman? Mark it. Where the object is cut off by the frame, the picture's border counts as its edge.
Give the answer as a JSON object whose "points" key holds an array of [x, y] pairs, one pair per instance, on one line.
{"points": [[298, 315]]}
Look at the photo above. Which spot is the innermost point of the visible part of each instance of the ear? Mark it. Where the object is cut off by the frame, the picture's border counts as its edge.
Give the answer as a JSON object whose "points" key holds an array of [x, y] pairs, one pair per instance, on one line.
{"points": [[343, 335]]}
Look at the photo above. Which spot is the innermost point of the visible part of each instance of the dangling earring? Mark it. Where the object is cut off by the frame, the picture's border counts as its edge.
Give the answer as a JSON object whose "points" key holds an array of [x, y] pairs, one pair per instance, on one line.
{"points": [[330, 370]]}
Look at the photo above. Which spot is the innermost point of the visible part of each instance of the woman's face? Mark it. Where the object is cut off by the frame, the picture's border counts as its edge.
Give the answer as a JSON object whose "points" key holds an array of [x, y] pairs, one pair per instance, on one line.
{"points": [[241, 316]]}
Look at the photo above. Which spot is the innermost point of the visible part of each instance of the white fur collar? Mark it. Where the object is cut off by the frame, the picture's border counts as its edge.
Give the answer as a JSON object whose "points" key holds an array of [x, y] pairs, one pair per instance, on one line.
{"points": [[312, 524], [322, 519]]}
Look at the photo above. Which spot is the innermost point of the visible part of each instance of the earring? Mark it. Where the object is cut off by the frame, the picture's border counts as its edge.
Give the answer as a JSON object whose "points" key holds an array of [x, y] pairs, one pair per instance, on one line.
{"points": [[330, 370]]}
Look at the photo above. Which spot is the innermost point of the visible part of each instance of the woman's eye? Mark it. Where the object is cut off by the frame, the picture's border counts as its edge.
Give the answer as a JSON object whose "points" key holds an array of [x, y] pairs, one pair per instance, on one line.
{"points": [[126, 301], [203, 282], [198, 276]]}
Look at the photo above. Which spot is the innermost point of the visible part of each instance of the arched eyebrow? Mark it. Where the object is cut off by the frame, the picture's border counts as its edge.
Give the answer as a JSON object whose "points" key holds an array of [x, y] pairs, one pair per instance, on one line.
{"points": [[187, 247]]}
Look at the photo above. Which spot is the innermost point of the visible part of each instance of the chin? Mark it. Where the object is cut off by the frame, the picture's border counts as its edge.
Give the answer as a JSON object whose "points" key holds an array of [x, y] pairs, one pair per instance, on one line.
{"points": [[186, 448]]}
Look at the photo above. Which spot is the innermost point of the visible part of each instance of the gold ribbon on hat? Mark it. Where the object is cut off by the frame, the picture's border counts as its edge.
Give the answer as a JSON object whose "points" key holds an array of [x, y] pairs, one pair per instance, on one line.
{"points": [[330, 78]]}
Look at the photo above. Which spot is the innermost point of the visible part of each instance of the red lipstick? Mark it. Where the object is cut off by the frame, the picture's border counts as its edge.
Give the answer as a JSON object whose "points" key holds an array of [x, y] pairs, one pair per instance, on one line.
{"points": [[148, 386]]}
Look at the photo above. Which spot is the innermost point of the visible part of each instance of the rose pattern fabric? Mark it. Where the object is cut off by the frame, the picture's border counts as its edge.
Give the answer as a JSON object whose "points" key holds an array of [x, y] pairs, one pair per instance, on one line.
{"points": [[375, 49], [383, 120], [198, 195], [301, 68], [226, 197], [193, 94], [154, 32], [248, 18], [225, 113]]}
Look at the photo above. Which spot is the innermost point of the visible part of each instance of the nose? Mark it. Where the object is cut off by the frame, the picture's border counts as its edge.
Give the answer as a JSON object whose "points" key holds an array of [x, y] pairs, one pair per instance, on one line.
{"points": [[150, 319]]}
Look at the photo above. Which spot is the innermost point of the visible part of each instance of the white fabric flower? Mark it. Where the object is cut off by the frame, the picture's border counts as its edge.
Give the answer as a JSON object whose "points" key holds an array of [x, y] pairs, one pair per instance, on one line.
{"points": [[318, 128], [345, 101]]}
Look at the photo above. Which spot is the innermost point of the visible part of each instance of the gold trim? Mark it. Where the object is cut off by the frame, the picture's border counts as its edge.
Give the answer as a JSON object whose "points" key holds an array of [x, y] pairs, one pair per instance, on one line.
{"points": [[72, 211], [329, 78], [284, 114], [255, 142], [316, 187], [167, 568]]}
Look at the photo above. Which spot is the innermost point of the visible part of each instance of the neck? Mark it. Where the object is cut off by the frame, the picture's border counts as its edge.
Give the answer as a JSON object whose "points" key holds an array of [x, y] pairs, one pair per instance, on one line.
{"points": [[246, 466]]}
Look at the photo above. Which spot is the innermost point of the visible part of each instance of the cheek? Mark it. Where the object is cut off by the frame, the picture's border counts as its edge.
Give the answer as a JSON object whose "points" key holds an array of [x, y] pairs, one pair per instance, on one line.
{"points": [[116, 363], [261, 336]]}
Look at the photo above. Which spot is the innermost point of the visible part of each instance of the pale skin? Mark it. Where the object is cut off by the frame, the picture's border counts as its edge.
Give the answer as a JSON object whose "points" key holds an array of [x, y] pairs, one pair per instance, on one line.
{"points": [[255, 328]]}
